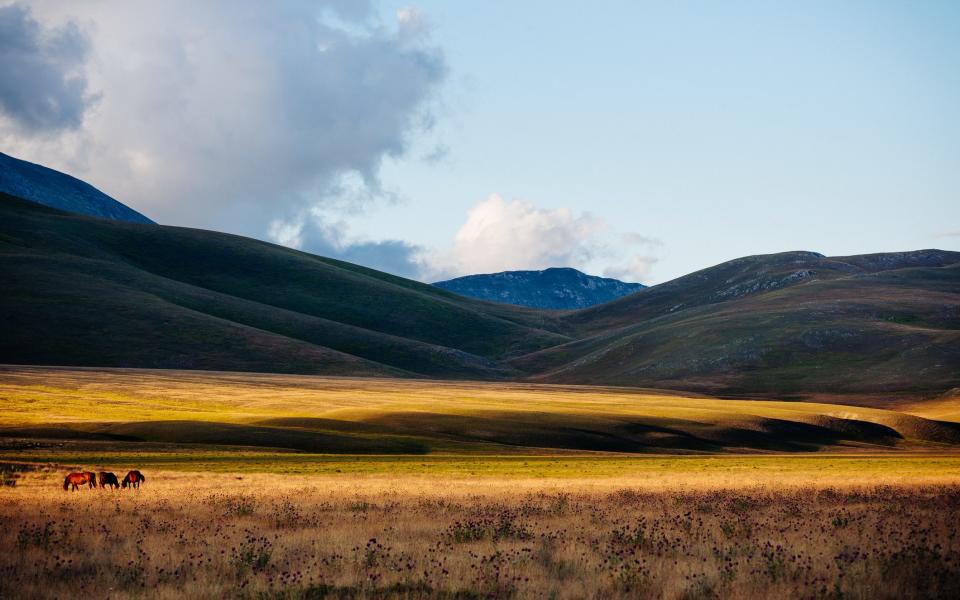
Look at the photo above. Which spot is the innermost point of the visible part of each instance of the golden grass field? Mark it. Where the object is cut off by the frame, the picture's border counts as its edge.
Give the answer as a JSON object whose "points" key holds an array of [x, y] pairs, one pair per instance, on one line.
{"points": [[185, 535], [383, 416], [266, 486]]}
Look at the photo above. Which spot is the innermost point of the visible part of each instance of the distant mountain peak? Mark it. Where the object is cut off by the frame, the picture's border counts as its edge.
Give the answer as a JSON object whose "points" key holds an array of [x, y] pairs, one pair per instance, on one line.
{"points": [[46, 186], [562, 288]]}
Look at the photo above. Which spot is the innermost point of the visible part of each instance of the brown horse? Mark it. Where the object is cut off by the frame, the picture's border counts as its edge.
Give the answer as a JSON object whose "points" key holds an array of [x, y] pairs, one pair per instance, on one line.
{"points": [[77, 479], [133, 479], [105, 478]]}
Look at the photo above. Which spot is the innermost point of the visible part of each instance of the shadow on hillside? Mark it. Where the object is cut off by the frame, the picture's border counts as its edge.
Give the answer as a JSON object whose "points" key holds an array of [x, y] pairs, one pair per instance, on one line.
{"points": [[413, 432], [227, 434], [587, 432]]}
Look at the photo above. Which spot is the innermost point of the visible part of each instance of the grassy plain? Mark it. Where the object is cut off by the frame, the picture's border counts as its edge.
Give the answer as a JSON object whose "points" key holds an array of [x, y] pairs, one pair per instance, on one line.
{"points": [[268, 486]]}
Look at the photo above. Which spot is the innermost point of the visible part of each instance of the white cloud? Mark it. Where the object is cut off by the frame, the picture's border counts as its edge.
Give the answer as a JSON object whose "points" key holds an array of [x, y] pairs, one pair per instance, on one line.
{"points": [[636, 268], [231, 113], [500, 235]]}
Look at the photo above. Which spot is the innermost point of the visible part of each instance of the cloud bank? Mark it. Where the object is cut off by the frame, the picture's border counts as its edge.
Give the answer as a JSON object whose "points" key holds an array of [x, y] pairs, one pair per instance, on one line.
{"points": [[269, 120], [226, 113]]}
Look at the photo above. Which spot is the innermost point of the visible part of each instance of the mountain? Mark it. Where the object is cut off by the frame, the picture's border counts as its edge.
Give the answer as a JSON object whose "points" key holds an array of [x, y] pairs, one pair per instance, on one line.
{"points": [[39, 184], [82, 291], [564, 289]]}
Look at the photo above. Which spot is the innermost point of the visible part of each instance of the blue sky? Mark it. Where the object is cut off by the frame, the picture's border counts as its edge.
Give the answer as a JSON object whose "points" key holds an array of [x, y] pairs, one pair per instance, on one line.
{"points": [[720, 129], [641, 140]]}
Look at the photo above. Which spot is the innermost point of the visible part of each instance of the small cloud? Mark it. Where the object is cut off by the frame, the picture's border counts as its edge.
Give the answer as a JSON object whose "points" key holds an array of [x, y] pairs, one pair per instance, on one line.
{"points": [[437, 155], [500, 236], [637, 239], [948, 234], [636, 269]]}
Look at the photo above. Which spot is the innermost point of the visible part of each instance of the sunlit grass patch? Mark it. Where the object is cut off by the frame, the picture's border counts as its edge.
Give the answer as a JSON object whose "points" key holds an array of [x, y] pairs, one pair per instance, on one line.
{"points": [[351, 416]]}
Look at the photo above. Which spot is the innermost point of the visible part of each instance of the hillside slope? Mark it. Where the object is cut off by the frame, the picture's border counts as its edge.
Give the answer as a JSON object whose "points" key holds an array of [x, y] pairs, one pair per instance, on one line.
{"points": [[559, 288], [85, 291], [779, 324], [39, 184]]}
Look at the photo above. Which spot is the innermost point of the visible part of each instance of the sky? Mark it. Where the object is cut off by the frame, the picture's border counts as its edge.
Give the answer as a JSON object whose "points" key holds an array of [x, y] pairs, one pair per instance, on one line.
{"points": [[636, 140]]}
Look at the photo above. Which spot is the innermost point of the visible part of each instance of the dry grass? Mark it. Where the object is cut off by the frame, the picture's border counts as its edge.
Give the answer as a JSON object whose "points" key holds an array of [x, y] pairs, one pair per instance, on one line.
{"points": [[944, 408], [268, 536], [48, 395]]}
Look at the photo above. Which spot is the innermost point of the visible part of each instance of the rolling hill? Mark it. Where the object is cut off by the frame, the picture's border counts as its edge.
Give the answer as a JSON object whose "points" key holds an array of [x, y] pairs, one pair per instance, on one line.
{"points": [[40, 184], [93, 292], [558, 288], [790, 323]]}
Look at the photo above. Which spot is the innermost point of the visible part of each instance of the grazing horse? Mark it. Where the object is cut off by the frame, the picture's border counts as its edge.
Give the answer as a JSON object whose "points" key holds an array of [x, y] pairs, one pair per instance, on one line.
{"points": [[75, 480], [105, 478], [133, 479]]}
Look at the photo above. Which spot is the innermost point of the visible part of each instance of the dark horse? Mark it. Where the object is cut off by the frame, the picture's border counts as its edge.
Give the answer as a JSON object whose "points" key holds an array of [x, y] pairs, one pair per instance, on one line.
{"points": [[133, 479], [105, 478], [77, 479]]}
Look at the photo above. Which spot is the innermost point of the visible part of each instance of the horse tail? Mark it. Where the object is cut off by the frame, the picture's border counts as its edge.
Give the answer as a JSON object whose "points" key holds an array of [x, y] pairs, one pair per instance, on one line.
{"points": [[66, 483], [124, 483]]}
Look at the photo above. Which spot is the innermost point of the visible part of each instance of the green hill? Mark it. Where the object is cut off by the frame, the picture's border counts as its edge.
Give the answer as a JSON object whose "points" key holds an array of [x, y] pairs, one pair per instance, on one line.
{"points": [[93, 292], [791, 323]]}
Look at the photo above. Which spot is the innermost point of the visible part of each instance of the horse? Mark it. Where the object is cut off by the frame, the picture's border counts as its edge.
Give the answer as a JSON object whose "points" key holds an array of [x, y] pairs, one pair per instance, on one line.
{"points": [[133, 479], [75, 480], [105, 478], [93, 478]]}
